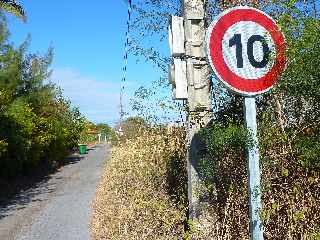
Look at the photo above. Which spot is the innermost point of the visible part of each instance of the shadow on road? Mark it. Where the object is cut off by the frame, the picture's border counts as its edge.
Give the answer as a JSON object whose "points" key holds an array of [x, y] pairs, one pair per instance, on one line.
{"points": [[18, 193]]}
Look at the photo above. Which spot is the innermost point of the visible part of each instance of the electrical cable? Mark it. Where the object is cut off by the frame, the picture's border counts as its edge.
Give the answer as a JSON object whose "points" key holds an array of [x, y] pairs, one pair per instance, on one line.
{"points": [[125, 60]]}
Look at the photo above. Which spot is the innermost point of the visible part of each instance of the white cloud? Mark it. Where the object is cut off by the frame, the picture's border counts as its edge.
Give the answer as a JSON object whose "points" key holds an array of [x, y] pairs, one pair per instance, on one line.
{"points": [[97, 100]]}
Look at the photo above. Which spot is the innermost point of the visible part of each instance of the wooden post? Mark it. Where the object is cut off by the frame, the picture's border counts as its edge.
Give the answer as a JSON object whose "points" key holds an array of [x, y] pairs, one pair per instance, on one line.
{"points": [[199, 94]]}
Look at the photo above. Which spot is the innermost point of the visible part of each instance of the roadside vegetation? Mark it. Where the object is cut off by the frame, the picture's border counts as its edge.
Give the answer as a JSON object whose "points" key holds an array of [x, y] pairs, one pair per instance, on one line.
{"points": [[142, 194], [134, 189]]}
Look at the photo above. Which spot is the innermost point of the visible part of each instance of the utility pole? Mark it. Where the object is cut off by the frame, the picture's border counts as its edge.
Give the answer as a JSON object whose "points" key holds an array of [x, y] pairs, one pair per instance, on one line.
{"points": [[199, 95]]}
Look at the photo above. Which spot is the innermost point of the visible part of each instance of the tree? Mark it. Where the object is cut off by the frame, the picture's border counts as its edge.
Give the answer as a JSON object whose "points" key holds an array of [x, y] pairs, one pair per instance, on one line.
{"points": [[133, 126], [38, 125]]}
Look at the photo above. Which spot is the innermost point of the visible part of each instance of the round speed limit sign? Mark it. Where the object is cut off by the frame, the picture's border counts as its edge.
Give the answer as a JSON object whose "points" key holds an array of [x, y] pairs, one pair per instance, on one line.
{"points": [[246, 50]]}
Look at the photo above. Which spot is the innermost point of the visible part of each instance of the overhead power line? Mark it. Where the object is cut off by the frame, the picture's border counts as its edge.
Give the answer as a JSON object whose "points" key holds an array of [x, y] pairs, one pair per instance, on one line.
{"points": [[125, 63]]}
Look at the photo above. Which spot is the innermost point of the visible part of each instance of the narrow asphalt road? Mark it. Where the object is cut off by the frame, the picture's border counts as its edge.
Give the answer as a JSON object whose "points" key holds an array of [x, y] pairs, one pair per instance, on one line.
{"points": [[58, 208]]}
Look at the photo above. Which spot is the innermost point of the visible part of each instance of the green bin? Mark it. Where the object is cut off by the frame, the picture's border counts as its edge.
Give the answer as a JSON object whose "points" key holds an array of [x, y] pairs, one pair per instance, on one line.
{"points": [[82, 148]]}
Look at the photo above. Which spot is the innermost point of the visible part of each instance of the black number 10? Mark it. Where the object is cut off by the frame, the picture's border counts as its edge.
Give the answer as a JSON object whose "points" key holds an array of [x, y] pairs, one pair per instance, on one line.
{"points": [[236, 40]]}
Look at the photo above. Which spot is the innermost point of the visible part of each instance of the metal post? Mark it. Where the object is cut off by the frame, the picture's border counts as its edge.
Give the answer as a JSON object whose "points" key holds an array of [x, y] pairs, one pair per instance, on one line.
{"points": [[253, 171]]}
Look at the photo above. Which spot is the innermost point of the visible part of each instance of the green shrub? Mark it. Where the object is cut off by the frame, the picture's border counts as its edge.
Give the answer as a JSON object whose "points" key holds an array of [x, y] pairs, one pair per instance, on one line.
{"points": [[290, 178]]}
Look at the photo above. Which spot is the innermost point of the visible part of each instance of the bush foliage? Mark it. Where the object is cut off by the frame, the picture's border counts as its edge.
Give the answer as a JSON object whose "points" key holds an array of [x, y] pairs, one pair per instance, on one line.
{"points": [[290, 192]]}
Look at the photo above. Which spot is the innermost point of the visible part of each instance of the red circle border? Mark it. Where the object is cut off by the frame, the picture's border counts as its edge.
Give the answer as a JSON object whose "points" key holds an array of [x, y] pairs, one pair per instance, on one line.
{"points": [[233, 81]]}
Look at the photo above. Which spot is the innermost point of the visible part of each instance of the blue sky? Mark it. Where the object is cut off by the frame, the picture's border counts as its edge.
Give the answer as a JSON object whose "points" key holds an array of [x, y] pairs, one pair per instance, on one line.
{"points": [[88, 40]]}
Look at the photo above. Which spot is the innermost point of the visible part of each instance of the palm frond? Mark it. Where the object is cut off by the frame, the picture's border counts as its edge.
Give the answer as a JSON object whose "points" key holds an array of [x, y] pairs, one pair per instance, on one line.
{"points": [[12, 7]]}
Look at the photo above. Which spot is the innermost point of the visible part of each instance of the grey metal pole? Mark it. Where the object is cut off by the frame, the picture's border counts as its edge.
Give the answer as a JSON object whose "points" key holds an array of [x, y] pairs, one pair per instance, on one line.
{"points": [[256, 230]]}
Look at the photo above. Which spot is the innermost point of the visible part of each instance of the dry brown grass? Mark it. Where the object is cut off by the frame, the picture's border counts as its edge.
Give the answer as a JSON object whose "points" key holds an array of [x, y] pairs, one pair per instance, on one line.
{"points": [[135, 198], [142, 193]]}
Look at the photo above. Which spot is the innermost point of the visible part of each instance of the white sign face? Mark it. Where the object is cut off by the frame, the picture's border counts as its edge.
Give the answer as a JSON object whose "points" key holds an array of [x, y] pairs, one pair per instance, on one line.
{"points": [[237, 38]]}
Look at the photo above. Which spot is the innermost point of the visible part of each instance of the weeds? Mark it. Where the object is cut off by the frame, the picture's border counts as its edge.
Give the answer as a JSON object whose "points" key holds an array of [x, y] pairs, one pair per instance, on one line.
{"points": [[142, 194]]}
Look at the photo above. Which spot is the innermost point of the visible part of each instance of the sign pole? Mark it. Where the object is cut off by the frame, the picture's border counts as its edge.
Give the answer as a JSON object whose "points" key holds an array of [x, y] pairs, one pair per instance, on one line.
{"points": [[253, 170], [247, 70]]}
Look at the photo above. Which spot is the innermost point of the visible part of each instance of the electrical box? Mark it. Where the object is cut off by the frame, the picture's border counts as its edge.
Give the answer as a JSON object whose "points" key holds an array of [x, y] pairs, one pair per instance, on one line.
{"points": [[178, 79], [176, 36]]}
